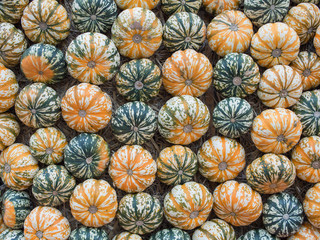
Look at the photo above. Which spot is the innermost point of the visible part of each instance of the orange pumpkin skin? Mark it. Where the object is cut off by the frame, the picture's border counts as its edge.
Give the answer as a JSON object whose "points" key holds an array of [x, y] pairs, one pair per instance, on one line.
{"points": [[8, 88], [216, 7], [147, 4], [306, 231], [2, 225], [9, 130], [316, 41], [311, 205]]}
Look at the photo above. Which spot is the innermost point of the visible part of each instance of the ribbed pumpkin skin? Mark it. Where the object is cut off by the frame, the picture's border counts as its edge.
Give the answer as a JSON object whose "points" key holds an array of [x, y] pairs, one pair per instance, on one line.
{"points": [[46, 220], [237, 203], [134, 123], [311, 205], [316, 41], [188, 206], [132, 168], [3, 227], [130, 39], [257, 234], [269, 48], [94, 203], [126, 236], [183, 120], [53, 185], [306, 231], [146, 4], [139, 80], [87, 156], [9, 130], [221, 159], [217, 7], [140, 213], [276, 130], [187, 73], [184, 30], [306, 1], [45, 21], [85, 233], [11, 10], [214, 229], [171, 234], [18, 167], [271, 173], [170, 7], [9, 234], [8, 88]]}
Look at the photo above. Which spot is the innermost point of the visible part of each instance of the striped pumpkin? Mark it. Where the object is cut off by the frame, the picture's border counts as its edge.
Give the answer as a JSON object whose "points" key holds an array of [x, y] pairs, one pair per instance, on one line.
{"points": [[85, 233], [170, 7], [9, 234], [11, 10], [216, 7], [9, 130], [146, 4], [126, 236], [316, 41], [214, 229], [311, 205], [3, 227], [257, 234], [306, 1], [306, 231], [8, 88], [169, 234]]}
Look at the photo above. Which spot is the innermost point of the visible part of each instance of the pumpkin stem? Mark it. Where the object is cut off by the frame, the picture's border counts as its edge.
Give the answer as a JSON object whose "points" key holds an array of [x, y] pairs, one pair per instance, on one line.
{"points": [[138, 85], [91, 64], [233, 214], [180, 172], [135, 129], [82, 113], [139, 223], [188, 128], [39, 234], [54, 193], [310, 30], [7, 168], [93, 209], [43, 26], [137, 38], [194, 214], [233, 27], [273, 185], [286, 216], [316, 114], [188, 82], [316, 164], [93, 17], [49, 151], [280, 138], [237, 81], [276, 52], [232, 120], [222, 166], [183, 2], [283, 93], [89, 160], [306, 73], [129, 172], [33, 111], [40, 72], [272, 7], [187, 39]]}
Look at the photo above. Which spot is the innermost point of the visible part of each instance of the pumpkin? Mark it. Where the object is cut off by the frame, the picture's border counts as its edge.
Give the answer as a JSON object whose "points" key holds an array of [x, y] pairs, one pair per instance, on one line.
{"points": [[17, 167], [230, 31], [3, 227], [311, 205], [188, 206], [85, 233], [12, 44], [237, 203], [306, 1], [276, 130], [132, 168], [139, 80], [316, 41], [170, 7], [217, 7], [232, 117], [168, 234], [146, 4], [271, 173], [137, 33], [275, 44], [282, 214], [9, 130], [92, 58], [214, 229], [9, 234], [43, 63], [306, 231], [134, 123], [184, 30], [8, 88], [46, 223], [187, 73], [87, 155], [221, 159], [236, 75], [45, 21], [11, 10], [126, 236], [93, 15], [257, 234], [183, 119], [53, 185], [139, 213], [86, 108]]}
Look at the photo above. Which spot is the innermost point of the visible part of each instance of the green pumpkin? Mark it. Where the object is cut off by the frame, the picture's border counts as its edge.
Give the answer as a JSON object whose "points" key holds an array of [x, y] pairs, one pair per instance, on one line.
{"points": [[11, 10], [134, 123], [171, 234], [257, 234], [170, 7], [9, 234], [87, 233]]}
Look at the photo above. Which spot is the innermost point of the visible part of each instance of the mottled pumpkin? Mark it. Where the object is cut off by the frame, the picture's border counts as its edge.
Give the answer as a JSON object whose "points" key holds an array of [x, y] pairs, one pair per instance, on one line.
{"points": [[170, 7], [257, 234], [126, 236], [217, 7], [11, 10], [306, 231], [316, 41], [9, 130], [85, 233], [305, 1], [311, 205], [3, 227], [146, 4], [8, 88], [214, 229], [9, 234], [168, 234]]}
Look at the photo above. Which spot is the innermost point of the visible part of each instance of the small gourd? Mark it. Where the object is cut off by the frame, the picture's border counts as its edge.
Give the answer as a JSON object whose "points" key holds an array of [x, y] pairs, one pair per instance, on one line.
{"points": [[146, 4], [257, 234], [311, 205], [86, 233], [126, 236], [9, 130], [9, 234], [216, 7], [3, 227], [306, 231], [216, 229], [11, 10], [170, 7], [8, 88], [168, 234], [316, 41]]}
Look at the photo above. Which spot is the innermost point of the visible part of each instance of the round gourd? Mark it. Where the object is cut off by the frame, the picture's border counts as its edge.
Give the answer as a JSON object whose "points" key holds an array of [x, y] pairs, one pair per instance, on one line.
{"points": [[11, 10], [184, 30], [221, 159], [8, 88], [127, 236], [216, 229], [137, 33], [43, 63], [257, 234], [282, 214], [45, 21], [170, 7], [9, 234], [139, 80], [275, 44], [9, 130], [53, 185], [134, 123], [139, 213], [183, 208], [169, 234], [232, 117], [316, 41], [183, 120], [86, 108], [237, 203], [3, 227], [306, 231], [87, 156], [216, 7], [306, 1], [146, 4], [187, 73], [311, 205], [276, 130], [85, 233], [236, 75]]}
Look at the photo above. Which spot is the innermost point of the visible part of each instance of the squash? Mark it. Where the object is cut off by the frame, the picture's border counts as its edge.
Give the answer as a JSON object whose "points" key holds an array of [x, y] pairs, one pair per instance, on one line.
{"points": [[92, 58], [276, 130], [275, 44], [86, 108], [280, 87], [311, 205], [45, 21], [12, 44], [183, 120], [99, 18], [306, 231], [85, 233], [187, 73], [47, 145], [237, 203], [8, 88], [221, 159], [132, 168], [134, 123], [282, 214], [271, 173], [146, 4], [139, 80], [140, 213], [43, 63], [230, 31], [53, 185], [316, 41], [11, 10], [3, 227], [176, 165], [214, 229], [46, 223], [9, 130], [137, 33], [306, 1], [216, 7], [126, 236], [232, 117], [168, 234], [17, 167], [257, 234], [184, 30], [9, 234], [188, 206], [170, 7], [87, 156], [236, 75]]}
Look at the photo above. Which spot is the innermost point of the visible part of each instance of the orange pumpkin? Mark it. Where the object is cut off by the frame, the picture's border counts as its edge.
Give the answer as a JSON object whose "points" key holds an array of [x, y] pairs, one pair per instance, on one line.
{"points": [[216, 7], [2, 225], [8, 88], [316, 41], [311, 205], [306, 231], [147, 4]]}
